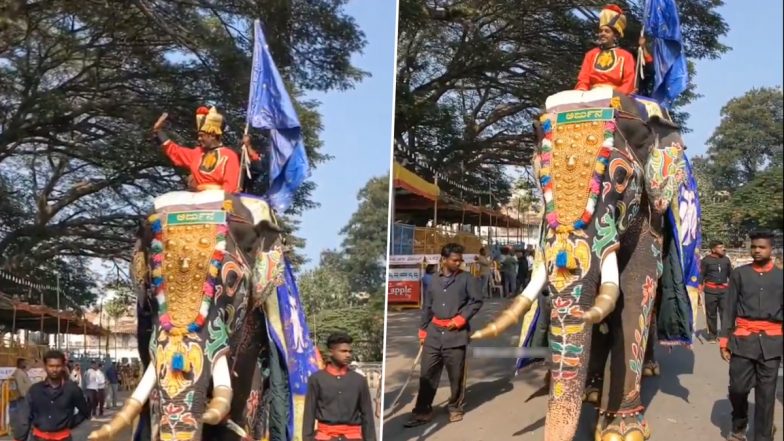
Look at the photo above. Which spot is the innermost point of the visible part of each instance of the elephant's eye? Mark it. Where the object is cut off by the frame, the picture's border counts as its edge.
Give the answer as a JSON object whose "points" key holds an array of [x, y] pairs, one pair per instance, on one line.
{"points": [[620, 176]]}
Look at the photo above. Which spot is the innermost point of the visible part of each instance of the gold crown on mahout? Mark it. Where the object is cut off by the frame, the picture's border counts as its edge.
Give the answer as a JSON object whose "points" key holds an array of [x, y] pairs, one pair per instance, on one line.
{"points": [[209, 120], [613, 16]]}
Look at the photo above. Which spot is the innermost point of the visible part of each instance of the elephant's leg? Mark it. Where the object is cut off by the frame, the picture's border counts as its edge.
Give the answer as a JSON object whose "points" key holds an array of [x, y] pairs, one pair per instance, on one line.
{"points": [[651, 366], [600, 351], [621, 408], [570, 344]]}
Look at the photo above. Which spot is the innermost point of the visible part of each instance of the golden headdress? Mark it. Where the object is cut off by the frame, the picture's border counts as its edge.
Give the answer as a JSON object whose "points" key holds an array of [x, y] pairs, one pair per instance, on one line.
{"points": [[209, 121], [613, 16]]}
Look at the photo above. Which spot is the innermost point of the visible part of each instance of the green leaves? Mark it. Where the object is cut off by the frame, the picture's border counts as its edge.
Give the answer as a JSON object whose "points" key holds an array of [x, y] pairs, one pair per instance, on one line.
{"points": [[740, 178]]}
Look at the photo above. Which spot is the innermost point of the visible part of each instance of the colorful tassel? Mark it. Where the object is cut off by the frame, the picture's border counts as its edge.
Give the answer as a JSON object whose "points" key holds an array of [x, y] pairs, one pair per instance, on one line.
{"points": [[561, 259], [178, 362]]}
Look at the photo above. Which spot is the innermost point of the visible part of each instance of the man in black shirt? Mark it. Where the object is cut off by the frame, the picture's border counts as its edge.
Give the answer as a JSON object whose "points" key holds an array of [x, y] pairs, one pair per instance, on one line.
{"points": [[52, 403], [522, 270], [338, 399], [451, 300], [751, 339], [715, 269]]}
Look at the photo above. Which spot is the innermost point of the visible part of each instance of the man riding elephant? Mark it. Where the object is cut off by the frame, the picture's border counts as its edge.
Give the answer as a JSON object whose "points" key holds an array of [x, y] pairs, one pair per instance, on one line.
{"points": [[226, 348], [608, 174], [608, 64], [211, 164]]}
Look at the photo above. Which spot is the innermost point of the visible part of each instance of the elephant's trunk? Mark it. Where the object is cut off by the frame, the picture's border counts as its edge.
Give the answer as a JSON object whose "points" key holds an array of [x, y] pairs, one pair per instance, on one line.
{"points": [[132, 408], [608, 291], [518, 308], [220, 404]]}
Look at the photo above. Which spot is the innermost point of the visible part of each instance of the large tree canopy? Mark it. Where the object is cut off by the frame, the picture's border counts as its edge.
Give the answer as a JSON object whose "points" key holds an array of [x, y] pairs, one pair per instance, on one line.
{"points": [[741, 175], [81, 84], [472, 74]]}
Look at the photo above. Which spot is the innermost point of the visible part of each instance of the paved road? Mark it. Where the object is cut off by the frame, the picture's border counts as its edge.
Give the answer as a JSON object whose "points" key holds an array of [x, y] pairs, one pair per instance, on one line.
{"points": [[689, 399]]}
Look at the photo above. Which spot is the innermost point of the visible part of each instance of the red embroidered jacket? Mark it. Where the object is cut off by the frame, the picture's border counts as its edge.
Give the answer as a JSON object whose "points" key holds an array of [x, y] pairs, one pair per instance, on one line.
{"points": [[614, 66], [220, 166]]}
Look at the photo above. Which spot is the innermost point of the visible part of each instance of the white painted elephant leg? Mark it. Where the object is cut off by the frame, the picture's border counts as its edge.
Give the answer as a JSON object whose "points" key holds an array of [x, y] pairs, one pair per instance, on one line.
{"points": [[518, 308], [220, 404], [132, 408], [608, 291]]}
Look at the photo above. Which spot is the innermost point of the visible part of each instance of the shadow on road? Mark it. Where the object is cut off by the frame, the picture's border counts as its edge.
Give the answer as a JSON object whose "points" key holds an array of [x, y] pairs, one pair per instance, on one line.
{"points": [[477, 394]]}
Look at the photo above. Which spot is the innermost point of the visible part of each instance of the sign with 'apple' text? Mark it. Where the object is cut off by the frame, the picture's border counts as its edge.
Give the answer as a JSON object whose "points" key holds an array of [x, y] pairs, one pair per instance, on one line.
{"points": [[405, 285]]}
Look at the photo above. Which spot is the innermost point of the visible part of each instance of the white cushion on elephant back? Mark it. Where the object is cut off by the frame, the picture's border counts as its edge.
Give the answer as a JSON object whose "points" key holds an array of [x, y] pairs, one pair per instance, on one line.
{"points": [[190, 200], [579, 99]]}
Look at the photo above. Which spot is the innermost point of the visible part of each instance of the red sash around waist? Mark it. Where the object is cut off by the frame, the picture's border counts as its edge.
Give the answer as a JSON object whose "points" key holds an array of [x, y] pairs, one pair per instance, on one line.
{"points": [[745, 327], [716, 285], [457, 320], [53, 436], [325, 432]]}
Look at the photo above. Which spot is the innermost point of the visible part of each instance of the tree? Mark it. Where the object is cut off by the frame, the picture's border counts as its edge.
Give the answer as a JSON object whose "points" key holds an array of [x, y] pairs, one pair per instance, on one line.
{"points": [[471, 76], [740, 177], [365, 243], [81, 85]]}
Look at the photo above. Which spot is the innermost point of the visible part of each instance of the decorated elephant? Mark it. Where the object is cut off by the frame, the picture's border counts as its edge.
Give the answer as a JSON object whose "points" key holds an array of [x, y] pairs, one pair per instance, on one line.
{"points": [[608, 166], [229, 353]]}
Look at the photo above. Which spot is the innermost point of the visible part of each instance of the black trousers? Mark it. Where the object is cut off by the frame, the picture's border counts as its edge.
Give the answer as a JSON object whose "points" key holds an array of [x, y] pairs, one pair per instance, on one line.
{"points": [[746, 373], [433, 362], [714, 308]]}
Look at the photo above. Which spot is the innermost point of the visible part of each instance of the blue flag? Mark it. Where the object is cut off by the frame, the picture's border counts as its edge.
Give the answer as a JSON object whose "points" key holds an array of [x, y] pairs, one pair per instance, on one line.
{"points": [[669, 58], [270, 108]]}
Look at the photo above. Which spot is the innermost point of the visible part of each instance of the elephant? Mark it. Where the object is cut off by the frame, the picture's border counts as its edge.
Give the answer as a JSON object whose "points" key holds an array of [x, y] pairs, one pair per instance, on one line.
{"points": [[207, 266], [608, 166]]}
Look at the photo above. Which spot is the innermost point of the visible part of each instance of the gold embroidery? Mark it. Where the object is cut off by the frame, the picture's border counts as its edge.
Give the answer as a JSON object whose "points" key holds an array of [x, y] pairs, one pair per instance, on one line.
{"points": [[574, 153], [188, 252], [606, 60]]}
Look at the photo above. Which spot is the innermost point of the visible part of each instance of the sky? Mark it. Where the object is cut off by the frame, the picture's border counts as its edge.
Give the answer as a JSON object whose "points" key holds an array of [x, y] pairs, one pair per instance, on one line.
{"points": [[754, 60], [357, 130]]}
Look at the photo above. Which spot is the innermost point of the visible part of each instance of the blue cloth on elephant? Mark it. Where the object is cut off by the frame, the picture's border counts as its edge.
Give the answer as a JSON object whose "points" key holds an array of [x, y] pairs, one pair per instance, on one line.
{"points": [[295, 360], [673, 318]]}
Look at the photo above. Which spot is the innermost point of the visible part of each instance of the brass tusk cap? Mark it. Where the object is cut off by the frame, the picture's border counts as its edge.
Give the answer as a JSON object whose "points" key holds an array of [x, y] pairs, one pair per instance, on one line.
{"points": [[219, 405], [509, 317], [124, 418], [605, 303]]}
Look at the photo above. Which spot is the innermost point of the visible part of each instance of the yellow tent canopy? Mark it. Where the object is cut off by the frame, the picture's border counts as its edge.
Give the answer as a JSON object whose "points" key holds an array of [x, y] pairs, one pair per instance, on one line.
{"points": [[409, 181]]}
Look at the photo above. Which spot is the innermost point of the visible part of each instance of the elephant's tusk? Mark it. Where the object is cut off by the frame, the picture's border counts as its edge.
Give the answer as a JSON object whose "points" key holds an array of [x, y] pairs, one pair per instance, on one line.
{"points": [[605, 303], [132, 408], [519, 307], [509, 317], [220, 404]]}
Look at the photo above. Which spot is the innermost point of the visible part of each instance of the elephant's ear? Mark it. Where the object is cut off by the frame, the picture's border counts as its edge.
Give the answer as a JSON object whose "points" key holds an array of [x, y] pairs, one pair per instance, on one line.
{"points": [[665, 123]]}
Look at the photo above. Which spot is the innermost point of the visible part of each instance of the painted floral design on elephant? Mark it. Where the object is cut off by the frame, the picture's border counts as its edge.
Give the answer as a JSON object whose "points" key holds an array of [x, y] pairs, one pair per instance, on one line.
{"points": [[182, 424], [566, 323], [641, 332]]}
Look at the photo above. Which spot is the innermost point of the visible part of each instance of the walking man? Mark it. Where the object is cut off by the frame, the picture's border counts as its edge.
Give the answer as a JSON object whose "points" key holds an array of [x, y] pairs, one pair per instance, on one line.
{"points": [[52, 403], [338, 405], [522, 270], [508, 271], [751, 339], [715, 272], [485, 271], [114, 382], [96, 384], [453, 299]]}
